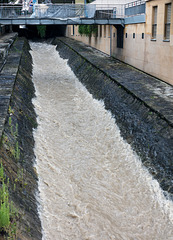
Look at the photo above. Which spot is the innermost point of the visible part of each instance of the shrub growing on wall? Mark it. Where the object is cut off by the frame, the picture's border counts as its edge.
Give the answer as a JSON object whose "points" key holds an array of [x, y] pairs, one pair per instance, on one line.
{"points": [[41, 30], [87, 29]]}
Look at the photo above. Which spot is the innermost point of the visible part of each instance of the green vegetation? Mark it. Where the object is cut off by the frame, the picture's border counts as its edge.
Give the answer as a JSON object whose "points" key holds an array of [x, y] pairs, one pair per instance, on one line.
{"points": [[13, 149], [10, 110], [87, 30], [20, 179], [9, 121], [8, 213], [17, 151], [41, 30]]}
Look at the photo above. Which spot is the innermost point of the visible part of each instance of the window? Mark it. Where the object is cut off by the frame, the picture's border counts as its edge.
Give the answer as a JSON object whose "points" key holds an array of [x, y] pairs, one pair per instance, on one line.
{"points": [[154, 23], [120, 36], [104, 30], [167, 21], [142, 35], [133, 35], [126, 35], [100, 30], [96, 34], [109, 31], [72, 30]]}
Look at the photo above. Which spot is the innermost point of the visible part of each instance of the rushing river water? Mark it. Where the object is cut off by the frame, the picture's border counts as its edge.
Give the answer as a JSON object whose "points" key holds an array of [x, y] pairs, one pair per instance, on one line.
{"points": [[92, 185]]}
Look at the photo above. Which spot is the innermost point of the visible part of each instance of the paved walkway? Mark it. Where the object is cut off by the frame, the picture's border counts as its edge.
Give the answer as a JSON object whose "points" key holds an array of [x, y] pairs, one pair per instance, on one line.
{"points": [[155, 93]]}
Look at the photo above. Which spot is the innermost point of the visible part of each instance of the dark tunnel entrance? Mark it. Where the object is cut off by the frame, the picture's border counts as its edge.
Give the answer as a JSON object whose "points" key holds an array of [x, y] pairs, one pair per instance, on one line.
{"points": [[40, 31]]}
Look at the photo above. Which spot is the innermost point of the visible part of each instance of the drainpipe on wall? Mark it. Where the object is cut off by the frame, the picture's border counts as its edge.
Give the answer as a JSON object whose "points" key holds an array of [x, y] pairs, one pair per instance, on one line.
{"points": [[85, 10]]}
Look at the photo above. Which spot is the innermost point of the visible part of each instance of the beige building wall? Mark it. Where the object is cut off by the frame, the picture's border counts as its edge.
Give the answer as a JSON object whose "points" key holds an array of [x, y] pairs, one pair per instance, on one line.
{"points": [[159, 53], [79, 1], [154, 56], [100, 41], [133, 51]]}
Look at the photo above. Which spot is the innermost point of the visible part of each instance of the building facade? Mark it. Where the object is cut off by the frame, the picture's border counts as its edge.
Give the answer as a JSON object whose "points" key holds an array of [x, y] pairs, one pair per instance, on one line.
{"points": [[147, 42]]}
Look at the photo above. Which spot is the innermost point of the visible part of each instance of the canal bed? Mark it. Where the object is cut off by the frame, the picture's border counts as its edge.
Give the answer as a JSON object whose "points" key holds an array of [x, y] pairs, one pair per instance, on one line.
{"points": [[92, 185]]}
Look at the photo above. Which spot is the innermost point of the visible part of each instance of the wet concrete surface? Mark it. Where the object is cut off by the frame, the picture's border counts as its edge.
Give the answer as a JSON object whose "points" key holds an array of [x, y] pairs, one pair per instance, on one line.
{"points": [[8, 72], [17, 121], [141, 105], [155, 93]]}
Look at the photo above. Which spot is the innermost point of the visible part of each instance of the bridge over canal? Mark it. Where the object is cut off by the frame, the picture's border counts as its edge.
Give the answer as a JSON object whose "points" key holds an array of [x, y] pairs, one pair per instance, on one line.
{"points": [[62, 14], [68, 14]]}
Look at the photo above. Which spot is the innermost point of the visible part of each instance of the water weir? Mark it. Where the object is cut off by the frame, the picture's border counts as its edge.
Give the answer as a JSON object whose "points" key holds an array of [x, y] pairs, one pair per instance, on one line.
{"points": [[92, 185], [135, 99]]}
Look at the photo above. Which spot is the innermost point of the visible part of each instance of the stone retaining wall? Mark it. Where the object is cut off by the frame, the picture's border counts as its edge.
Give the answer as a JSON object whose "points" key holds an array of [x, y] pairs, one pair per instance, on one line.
{"points": [[18, 118], [130, 95]]}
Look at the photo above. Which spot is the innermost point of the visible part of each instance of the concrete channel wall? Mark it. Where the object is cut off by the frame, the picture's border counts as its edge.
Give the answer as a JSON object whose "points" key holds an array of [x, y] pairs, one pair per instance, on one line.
{"points": [[8, 75], [142, 105], [17, 120]]}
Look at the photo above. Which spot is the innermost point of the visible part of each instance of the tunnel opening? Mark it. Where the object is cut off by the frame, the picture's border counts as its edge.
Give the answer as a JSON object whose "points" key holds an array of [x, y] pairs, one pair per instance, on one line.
{"points": [[40, 31]]}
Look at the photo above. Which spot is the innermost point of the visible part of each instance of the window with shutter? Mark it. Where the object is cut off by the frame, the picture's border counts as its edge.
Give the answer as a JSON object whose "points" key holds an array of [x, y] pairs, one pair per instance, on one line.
{"points": [[154, 23], [167, 21]]}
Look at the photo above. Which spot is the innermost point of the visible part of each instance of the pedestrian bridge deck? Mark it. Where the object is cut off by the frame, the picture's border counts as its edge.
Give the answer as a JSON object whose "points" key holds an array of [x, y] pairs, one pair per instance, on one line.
{"points": [[52, 21], [62, 14]]}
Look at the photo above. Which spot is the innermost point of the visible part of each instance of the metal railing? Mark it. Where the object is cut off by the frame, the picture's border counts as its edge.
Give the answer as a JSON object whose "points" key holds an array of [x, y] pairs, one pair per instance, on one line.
{"points": [[64, 11], [11, 11], [135, 3], [110, 10], [135, 8]]}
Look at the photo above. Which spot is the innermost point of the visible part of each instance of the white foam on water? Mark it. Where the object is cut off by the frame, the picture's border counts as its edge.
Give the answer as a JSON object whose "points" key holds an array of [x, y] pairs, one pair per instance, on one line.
{"points": [[92, 185]]}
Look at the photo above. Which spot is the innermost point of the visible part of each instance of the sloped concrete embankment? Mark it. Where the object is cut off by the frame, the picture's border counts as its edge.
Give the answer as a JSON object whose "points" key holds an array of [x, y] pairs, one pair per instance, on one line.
{"points": [[16, 151], [6, 42], [148, 131]]}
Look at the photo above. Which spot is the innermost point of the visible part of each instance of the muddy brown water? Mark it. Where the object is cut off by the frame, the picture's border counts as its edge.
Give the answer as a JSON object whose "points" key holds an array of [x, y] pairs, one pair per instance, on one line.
{"points": [[92, 185]]}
